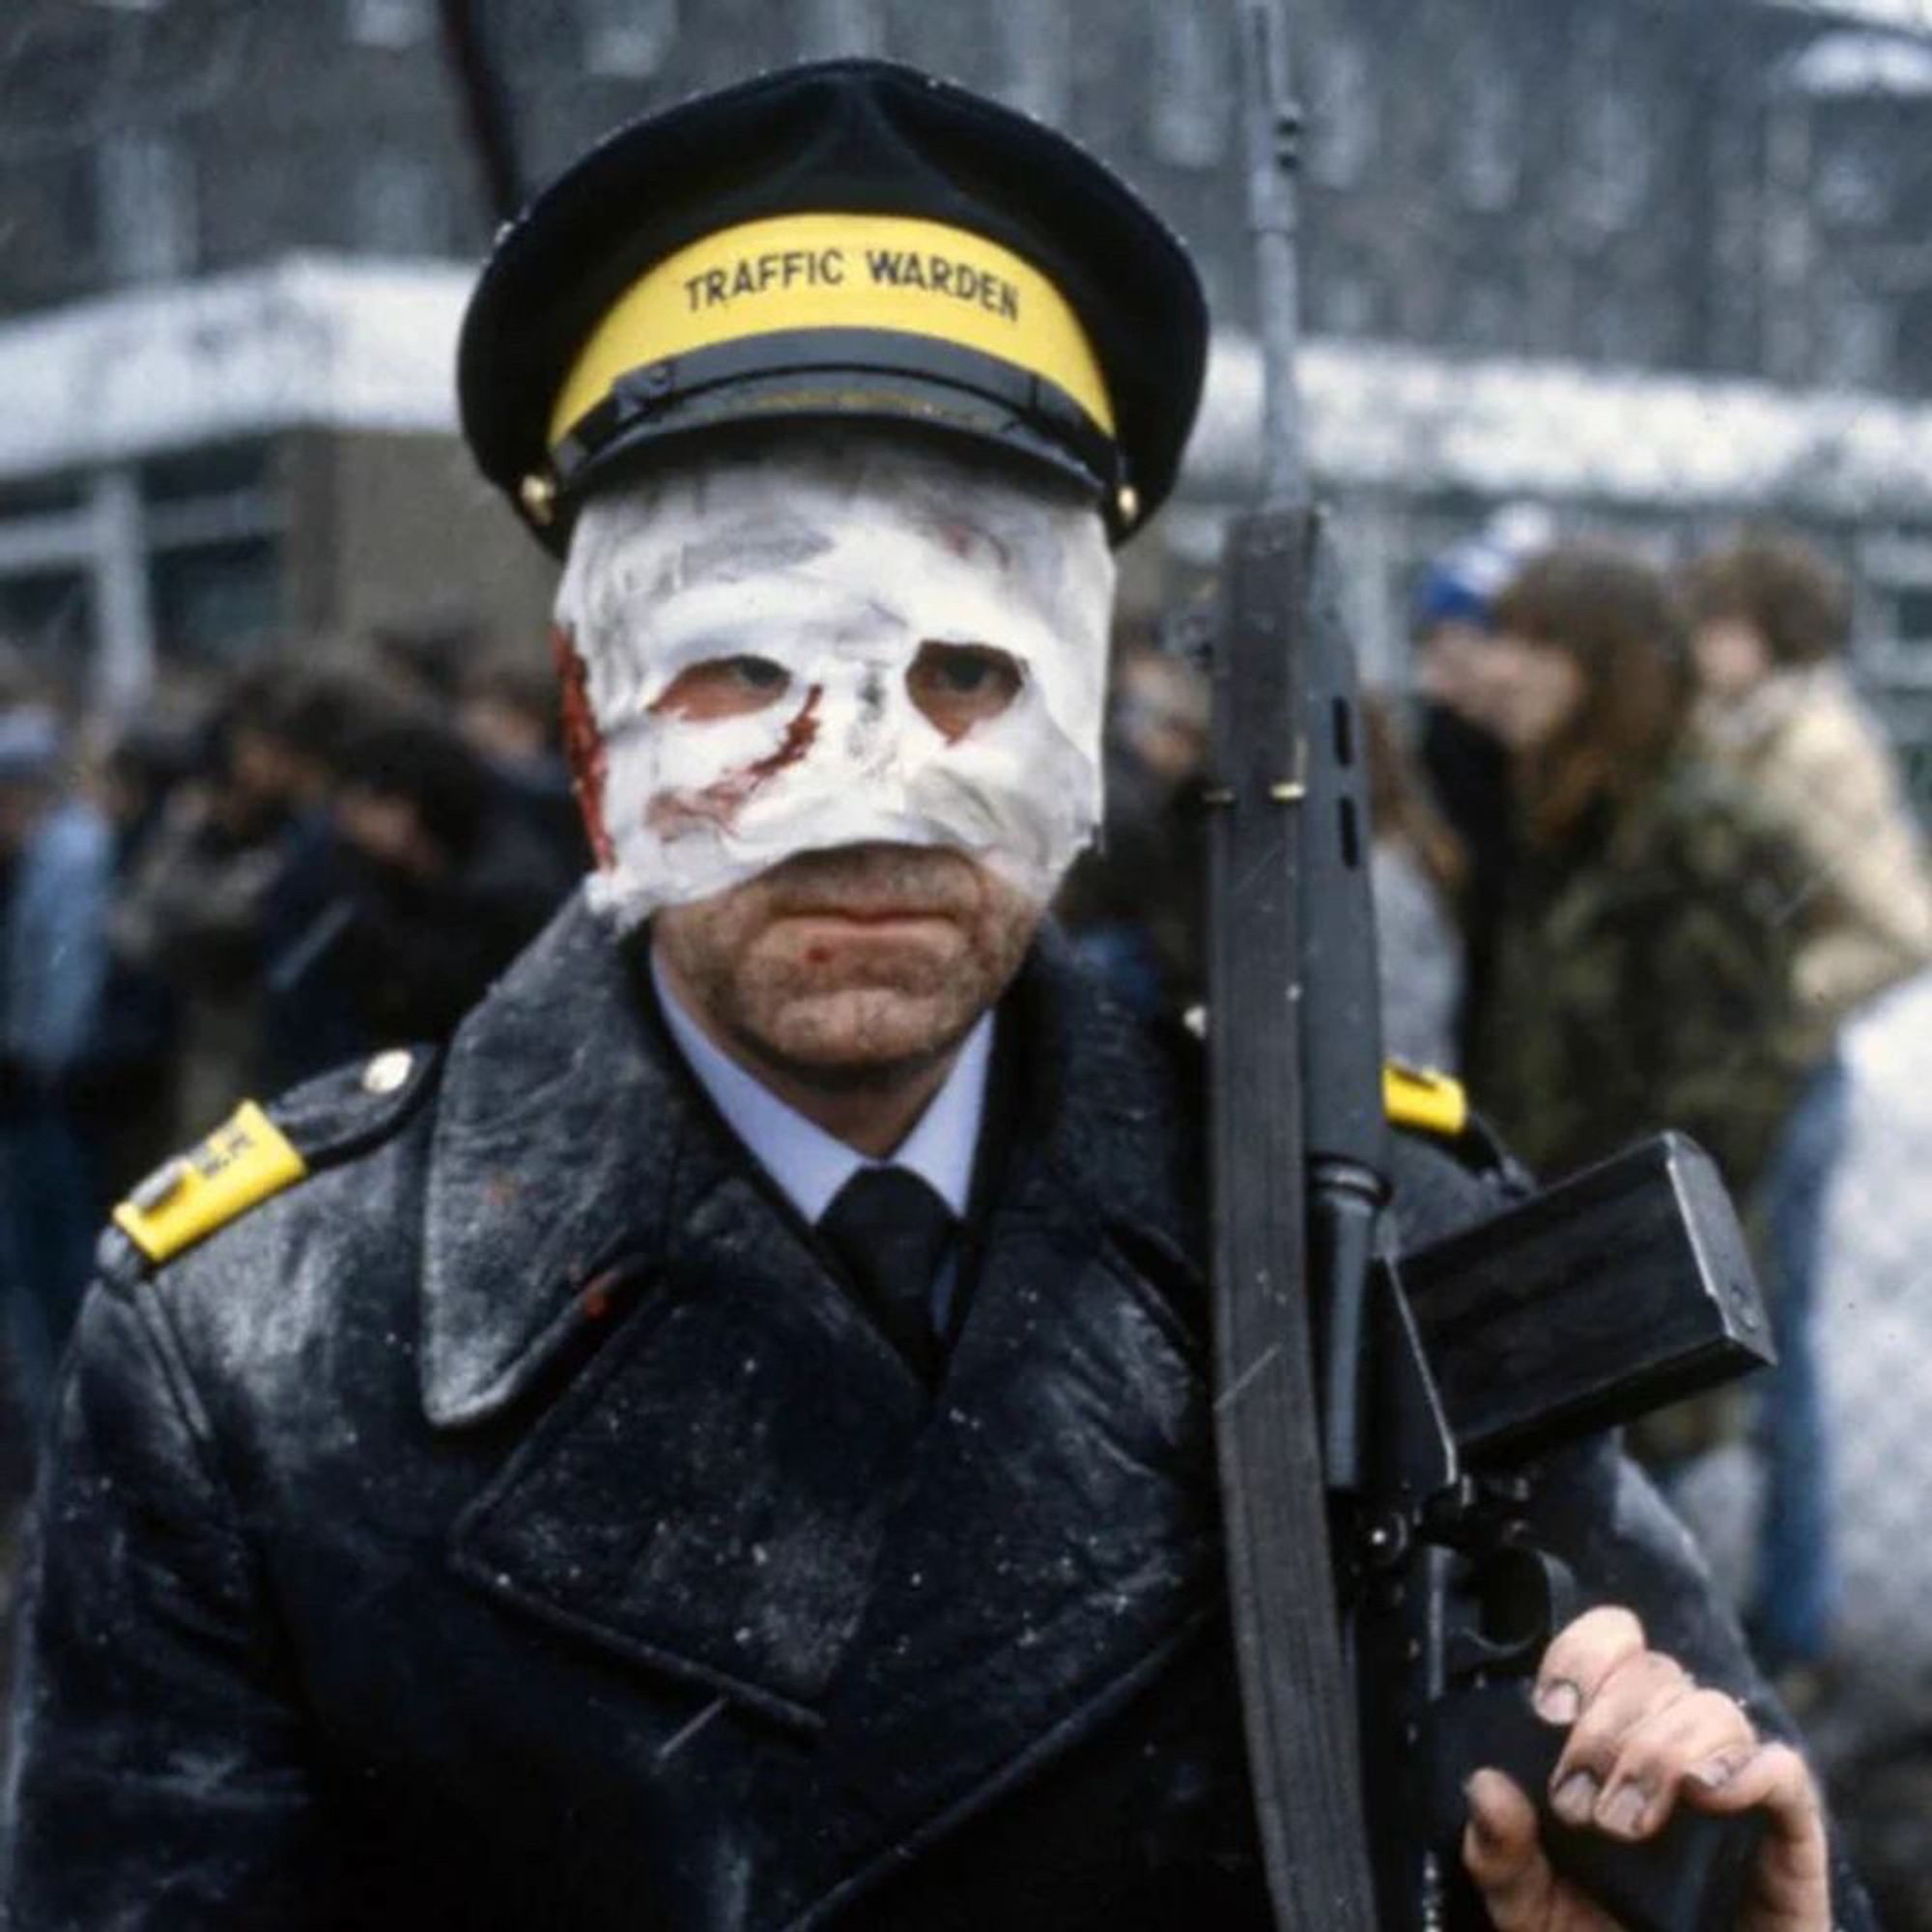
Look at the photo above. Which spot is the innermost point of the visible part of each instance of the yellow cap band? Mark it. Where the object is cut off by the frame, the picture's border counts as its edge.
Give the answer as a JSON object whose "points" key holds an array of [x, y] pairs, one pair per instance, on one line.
{"points": [[796, 271], [239, 1164], [1431, 1104]]}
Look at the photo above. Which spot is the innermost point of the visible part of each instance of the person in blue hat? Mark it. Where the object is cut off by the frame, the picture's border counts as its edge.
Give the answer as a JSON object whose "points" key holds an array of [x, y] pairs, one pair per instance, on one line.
{"points": [[728, 1443], [1463, 761]]}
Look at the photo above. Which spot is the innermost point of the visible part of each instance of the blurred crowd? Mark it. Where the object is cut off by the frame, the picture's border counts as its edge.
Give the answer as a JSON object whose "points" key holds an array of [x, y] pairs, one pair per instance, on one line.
{"points": [[1642, 859], [321, 854]]}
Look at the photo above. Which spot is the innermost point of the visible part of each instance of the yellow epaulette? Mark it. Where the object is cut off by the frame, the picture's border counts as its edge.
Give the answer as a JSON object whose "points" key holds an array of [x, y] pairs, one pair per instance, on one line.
{"points": [[243, 1161], [1430, 1104], [258, 1152]]}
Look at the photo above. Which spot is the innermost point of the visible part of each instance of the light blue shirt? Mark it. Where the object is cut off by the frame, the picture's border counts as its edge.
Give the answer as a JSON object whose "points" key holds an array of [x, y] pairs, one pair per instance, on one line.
{"points": [[809, 1165]]}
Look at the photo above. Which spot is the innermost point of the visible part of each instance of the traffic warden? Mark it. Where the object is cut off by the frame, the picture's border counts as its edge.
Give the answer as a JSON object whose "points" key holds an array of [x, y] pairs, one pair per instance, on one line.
{"points": [[727, 1443]]}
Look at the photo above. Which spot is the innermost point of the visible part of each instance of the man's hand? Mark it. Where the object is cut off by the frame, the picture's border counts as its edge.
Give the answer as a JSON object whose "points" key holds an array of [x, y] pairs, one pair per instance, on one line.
{"points": [[1642, 1737]]}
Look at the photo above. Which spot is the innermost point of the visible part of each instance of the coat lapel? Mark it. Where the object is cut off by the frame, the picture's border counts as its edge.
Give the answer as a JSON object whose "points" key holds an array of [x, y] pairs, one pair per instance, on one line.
{"points": [[709, 1494], [563, 1147]]}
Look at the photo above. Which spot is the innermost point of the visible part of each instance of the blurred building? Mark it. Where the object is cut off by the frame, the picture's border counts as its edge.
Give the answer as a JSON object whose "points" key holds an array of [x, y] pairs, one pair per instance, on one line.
{"points": [[1658, 265]]}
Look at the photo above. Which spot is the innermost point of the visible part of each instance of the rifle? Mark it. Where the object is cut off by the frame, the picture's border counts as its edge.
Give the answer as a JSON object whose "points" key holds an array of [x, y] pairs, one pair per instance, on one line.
{"points": [[1388, 1599]]}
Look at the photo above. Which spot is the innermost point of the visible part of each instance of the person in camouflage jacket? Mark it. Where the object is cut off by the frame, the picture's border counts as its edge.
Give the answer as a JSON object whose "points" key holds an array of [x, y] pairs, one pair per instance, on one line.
{"points": [[1645, 963], [1644, 968]]}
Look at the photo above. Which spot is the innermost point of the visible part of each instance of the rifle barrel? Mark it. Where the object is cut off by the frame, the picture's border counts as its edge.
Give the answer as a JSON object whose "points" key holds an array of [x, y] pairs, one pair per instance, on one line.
{"points": [[1271, 127]]}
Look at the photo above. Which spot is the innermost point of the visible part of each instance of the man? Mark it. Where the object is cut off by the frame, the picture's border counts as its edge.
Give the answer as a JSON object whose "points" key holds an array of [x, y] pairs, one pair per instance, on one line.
{"points": [[1463, 759], [604, 1488]]}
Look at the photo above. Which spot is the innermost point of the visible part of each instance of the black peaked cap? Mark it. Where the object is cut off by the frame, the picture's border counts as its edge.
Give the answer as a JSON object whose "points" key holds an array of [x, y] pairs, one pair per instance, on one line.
{"points": [[856, 137]]}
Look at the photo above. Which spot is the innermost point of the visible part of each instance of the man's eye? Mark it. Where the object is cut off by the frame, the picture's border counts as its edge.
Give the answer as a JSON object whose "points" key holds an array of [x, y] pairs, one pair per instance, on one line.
{"points": [[724, 688], [760, 674], [966, 671], [957, 686]]}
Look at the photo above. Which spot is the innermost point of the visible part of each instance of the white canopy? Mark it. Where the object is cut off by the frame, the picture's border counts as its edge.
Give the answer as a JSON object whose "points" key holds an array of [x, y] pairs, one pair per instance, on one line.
{"points": [[1409, 421], [311, 340]]}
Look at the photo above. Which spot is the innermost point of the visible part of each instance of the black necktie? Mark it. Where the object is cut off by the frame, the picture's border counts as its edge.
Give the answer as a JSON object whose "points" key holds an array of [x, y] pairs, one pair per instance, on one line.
{"points": [[889, 1229]]}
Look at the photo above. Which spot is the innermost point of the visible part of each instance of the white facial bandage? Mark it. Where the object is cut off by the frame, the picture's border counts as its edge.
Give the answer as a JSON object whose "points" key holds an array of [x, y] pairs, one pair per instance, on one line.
{"points": [[752, 645]]}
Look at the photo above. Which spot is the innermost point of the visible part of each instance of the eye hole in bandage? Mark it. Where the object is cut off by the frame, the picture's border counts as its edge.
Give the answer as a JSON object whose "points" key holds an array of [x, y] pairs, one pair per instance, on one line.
{"points": [[959, 685], [858, 642], [732, 687], [955, 687]]}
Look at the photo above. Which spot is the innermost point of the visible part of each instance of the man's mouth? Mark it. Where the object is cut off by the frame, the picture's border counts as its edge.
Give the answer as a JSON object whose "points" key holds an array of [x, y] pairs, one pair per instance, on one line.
{"points": [[869, 917], [856, 935], [875, 886]]}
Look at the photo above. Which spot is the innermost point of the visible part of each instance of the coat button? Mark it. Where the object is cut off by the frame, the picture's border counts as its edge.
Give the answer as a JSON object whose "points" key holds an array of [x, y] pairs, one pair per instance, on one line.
{"points": [[388, 1072], [160, 1186]]}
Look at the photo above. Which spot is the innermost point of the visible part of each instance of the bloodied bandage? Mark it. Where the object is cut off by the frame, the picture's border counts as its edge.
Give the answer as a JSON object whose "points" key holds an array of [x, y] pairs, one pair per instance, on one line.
{"points": [[776, 651]]}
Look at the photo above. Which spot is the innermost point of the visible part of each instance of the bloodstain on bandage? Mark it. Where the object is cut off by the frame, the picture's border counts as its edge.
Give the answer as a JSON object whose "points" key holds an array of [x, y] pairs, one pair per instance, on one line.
{"points": [[582, 742], [685, 808]]}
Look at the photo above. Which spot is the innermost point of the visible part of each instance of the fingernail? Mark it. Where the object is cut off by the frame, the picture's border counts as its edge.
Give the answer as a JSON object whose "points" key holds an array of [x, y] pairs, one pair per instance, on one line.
{"points": [[1558, 1702], [1576, 1798], [1714, 1772], [1479, 1819], [1622, 1812]]}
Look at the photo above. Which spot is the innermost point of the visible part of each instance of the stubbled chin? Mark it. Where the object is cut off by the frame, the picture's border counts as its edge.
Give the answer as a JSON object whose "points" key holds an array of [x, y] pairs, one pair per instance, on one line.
{"points": [[861, 1026]]}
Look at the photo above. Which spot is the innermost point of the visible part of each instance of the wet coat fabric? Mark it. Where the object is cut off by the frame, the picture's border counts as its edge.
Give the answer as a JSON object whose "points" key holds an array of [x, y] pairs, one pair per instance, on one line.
{"points": [[516, 1524]]}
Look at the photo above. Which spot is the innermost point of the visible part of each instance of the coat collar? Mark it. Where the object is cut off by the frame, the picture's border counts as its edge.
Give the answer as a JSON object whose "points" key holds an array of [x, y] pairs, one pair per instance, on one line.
{"points": [[572, 1148]]}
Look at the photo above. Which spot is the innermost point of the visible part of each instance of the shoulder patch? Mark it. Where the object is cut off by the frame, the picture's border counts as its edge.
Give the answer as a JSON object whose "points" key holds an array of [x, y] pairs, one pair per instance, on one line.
{"points": [[244, 1161], [1430, 1104], [259, 1151]]}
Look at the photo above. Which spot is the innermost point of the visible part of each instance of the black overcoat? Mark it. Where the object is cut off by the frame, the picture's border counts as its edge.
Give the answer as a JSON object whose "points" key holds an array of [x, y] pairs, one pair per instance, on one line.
{"points": [[516, 1523]]}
